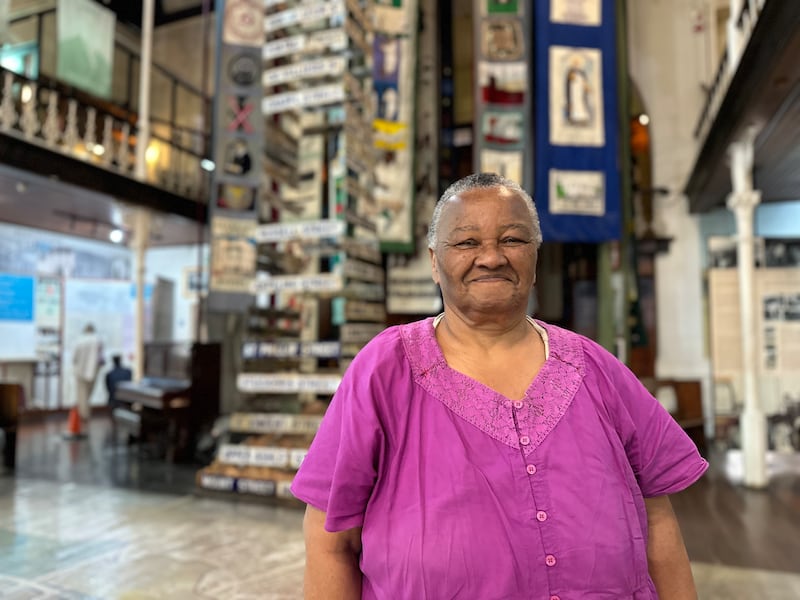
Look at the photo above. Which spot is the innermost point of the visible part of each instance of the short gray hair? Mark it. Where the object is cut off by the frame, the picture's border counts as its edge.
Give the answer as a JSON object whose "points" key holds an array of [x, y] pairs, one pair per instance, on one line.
{"points": [[480, 181]]}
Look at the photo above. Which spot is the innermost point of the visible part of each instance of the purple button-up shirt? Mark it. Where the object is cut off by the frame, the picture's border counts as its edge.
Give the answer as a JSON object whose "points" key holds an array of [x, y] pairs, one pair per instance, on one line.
{"points": [[463, 493]]}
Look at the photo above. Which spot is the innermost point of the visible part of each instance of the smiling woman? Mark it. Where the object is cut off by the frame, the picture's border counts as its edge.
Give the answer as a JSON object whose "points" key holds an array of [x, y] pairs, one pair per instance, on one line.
{"points": [[485, 265], [457, 456]]}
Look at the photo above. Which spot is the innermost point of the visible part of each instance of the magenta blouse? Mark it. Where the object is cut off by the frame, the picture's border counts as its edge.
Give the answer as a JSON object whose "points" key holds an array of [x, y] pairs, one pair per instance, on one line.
{"points": [[463, 493]]}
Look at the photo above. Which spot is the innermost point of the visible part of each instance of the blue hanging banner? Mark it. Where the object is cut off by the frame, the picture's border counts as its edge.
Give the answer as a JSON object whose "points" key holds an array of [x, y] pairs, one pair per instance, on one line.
{"points": [[577, 183]]}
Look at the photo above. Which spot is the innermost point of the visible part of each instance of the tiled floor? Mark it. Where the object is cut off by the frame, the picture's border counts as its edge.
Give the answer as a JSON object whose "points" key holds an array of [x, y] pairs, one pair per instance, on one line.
{"points": [[80, 521], [83, 541]]}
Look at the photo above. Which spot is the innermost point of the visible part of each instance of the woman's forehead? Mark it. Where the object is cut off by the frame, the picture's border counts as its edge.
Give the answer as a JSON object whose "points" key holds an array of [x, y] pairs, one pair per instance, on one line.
{"points": [[479, 193], [473, 204]]}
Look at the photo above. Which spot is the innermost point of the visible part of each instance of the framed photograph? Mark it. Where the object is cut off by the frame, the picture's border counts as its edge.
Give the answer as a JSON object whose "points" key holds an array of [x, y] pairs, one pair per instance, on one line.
{"points": [[502, 39], [503, 128], [507, 164], [577, 192], [576, 97], [502, 7], [576, 12], [503, 83]]}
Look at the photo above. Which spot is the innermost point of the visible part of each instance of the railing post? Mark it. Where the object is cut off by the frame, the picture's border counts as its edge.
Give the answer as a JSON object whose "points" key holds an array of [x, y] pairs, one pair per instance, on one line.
{"points": [[129, 82]]}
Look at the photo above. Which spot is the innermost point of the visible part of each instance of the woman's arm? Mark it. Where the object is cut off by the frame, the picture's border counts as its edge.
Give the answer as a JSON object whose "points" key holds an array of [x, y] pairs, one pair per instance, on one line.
{"points": [[666, 553], [332, 571]]}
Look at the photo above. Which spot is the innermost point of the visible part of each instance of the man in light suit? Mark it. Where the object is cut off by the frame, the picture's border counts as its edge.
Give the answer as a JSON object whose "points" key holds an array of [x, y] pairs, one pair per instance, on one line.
{"points": [[87, 358]]}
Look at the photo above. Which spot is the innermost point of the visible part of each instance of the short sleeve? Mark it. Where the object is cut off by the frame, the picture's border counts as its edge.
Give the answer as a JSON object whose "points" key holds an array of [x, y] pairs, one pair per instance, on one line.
{"points": [[663, 457], [339, 472]]}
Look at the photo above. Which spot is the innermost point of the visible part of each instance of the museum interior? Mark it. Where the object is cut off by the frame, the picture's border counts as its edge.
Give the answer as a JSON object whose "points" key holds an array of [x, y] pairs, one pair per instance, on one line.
{"points": [[209, 207]]}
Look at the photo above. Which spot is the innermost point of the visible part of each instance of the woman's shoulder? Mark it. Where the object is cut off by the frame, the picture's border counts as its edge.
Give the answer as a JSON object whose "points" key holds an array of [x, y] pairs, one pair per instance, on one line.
{"points": [[395, 342], [577, 349], [381, 368]]}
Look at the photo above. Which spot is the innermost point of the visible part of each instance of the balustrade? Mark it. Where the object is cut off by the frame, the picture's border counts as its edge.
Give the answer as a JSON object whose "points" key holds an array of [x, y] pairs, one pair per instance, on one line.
{"points": [[38, 108]]}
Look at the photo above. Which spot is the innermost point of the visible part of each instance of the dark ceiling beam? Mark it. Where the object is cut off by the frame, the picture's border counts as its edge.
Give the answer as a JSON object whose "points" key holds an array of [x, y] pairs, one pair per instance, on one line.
{"points": [[130, 13], [48, 163], [766, 74]]}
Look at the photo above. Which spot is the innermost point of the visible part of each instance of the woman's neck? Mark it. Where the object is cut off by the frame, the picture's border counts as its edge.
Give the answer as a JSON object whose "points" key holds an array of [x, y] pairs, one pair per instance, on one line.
{"points": [[465, 333]]}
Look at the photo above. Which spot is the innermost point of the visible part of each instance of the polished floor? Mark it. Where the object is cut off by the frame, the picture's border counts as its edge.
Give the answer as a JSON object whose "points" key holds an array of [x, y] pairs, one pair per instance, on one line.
{"points": [[87, 519]]}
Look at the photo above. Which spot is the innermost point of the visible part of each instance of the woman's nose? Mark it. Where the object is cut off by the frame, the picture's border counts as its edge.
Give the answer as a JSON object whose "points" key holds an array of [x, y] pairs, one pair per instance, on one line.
{"points": [[491, 255]]}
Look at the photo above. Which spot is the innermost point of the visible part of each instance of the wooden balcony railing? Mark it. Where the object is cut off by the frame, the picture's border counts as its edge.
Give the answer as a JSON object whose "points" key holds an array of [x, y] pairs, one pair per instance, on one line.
{"points": [[744, 23], [38, 108]]}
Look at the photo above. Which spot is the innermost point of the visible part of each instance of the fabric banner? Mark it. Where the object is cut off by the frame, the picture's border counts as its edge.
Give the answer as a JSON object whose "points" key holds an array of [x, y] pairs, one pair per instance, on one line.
{"points": [[409, 286], [577, 178], [503, 95], [238, 148], [85, 45], [393, 70]]}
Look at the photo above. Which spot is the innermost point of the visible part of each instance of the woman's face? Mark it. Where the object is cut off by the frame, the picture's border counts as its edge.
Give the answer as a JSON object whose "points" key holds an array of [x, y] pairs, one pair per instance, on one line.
{"points": [[485, 258]]}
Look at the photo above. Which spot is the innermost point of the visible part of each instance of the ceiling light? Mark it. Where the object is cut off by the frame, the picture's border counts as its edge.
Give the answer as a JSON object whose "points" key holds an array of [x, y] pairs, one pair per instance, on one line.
{"points": [[151, 154], [116, 235], [644, 119], [207, 165]]}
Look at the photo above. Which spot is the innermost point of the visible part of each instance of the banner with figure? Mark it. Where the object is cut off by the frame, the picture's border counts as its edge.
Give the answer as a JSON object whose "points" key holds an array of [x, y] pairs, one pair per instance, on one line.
{"points": [[577, 172]]}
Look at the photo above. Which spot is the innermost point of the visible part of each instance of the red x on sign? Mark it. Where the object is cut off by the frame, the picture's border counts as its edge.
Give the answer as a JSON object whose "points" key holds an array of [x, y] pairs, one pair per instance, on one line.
{"points": [[241, 111]]}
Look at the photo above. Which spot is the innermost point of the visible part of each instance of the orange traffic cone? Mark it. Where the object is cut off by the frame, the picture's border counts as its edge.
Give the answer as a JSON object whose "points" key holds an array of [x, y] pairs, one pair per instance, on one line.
{"points": [[74, 425]]}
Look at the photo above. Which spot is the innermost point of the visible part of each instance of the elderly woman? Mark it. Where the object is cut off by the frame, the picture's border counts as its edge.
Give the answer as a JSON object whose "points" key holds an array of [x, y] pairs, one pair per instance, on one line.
{"points": [[484, 455]]}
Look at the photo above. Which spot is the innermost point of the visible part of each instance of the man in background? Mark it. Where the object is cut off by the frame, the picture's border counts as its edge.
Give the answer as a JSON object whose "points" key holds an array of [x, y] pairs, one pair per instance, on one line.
{"points": [[87, 358], [114, 376]]}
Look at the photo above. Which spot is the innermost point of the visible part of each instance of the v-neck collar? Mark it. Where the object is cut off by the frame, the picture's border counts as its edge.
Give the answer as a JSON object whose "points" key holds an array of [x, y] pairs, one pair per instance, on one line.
{"points": [[534, 416]]}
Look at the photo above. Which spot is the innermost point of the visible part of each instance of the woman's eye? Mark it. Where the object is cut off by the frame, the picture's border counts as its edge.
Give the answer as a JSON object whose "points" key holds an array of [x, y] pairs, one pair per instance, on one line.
{"points": [[511, 241]]}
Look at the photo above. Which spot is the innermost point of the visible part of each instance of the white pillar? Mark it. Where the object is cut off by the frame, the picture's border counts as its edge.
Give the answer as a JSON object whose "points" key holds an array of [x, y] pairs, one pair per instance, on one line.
{"points": [[141, 230], [753, 422], [141, 238], [145, 67]]}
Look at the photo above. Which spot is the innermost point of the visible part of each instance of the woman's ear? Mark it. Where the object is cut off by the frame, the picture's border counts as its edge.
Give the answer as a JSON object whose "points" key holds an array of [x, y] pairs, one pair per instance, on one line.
{"points": [[434, 266]]}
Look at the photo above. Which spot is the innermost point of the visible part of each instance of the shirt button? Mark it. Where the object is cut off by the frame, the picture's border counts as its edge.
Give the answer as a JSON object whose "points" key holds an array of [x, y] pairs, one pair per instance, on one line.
{"points": [[541, 516], [531, 469], [524, 440], [555, 598], [550, 560], [517, 404]]}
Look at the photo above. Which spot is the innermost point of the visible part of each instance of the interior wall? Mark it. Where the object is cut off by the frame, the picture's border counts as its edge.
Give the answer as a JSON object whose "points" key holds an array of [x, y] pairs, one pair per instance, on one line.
{"points": [[670, 60], [178, 47], [98, 271], [179, 265]]}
